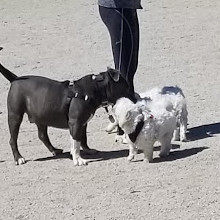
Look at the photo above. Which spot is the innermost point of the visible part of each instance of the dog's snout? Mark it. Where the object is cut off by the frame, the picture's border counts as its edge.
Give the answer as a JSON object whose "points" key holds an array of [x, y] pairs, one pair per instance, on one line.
{"points": [[132, 97]]}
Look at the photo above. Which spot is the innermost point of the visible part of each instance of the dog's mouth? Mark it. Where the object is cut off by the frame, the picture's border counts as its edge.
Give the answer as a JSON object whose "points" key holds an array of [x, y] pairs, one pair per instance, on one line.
{"points": [[111, 118]]}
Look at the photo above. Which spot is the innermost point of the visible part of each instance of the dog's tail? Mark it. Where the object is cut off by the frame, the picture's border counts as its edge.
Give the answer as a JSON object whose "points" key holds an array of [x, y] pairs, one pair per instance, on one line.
{"points": [[6, 73]]}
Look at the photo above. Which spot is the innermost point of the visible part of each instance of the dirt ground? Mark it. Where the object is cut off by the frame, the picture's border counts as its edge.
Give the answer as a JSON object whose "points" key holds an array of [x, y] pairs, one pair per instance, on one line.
{"points": [[180, 45]]}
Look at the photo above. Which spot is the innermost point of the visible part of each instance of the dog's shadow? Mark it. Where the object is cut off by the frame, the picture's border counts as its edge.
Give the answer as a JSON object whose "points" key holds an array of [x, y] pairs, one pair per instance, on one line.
{"points": [[99, 156], [180, 154], [203, 131], [107, 155]]}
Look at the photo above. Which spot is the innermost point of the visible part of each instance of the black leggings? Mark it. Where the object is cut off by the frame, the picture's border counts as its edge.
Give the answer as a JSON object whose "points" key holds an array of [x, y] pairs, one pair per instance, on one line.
{"points": [[123, 28]]}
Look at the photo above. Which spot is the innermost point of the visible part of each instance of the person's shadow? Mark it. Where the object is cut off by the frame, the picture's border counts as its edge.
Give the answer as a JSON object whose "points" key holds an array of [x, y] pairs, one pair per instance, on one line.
{"points": [[203, 131]]}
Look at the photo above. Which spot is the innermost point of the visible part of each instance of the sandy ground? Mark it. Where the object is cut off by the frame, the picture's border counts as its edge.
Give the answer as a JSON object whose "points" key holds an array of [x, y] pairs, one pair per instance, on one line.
{"points": [[180, 45]]}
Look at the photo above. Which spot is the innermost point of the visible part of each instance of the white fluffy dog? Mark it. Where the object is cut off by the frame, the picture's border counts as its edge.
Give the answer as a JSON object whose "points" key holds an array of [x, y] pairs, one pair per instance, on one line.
{"points": [[145, 123], [173, 99]]}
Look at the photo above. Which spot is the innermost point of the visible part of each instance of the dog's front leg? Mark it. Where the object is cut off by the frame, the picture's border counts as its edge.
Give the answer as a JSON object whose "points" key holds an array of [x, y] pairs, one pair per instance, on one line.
{"points": [[148, 153], [132, 151], [75, 152], [76, 133]]}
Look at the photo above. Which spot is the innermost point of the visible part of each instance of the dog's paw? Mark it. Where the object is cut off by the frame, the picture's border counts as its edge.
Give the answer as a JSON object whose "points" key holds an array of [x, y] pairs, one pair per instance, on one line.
{"points": [[164, 154], [183, 138], [176, 138], [56, 152], [20, 161], [147, 160], [130, 157], [79, 161]]}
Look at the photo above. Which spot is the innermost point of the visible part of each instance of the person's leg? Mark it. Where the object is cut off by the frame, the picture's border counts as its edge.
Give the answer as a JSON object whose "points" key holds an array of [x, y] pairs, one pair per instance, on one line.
{"points": [[123, 28], [130, 46]]}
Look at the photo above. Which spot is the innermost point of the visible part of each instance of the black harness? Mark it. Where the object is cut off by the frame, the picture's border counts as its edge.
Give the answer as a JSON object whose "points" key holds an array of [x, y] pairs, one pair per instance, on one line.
{"points": [[72, 94], [133, 136], [78, 95]]}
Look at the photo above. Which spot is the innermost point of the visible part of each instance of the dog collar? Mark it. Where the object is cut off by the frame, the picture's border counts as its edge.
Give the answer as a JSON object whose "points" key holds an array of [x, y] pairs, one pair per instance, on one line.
{"points": [[99, 79], [133, 136], [105, 104], [72, 94]]}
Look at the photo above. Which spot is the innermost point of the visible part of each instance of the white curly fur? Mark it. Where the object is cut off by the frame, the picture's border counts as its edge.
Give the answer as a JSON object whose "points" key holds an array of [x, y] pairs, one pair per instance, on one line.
{"points": [[159, 125], [173, 99]]}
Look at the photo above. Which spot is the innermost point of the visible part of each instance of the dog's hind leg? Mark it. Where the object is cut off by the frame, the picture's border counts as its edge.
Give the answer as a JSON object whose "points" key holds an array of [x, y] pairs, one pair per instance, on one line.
{"points": [[14, 122], [43, 136], [84, 145]]}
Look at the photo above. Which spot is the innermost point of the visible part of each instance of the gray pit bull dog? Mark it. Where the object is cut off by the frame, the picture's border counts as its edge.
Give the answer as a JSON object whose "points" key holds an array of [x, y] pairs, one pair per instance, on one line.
{"points": [[62, 105]]}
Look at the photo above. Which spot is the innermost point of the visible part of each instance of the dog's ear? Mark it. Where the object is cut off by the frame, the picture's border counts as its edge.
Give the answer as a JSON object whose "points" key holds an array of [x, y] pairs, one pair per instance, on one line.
{"points": [[114, 74]]}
